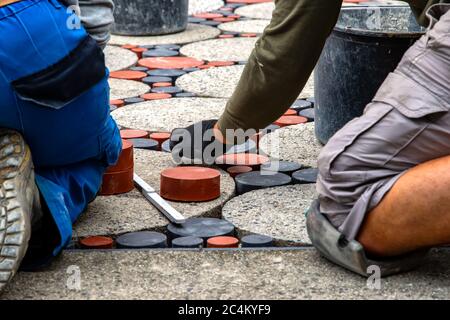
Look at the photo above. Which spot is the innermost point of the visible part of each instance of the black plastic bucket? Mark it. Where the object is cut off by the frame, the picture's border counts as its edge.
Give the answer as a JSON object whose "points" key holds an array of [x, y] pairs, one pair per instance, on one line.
{"points": [[365, 46], [150, 17]]}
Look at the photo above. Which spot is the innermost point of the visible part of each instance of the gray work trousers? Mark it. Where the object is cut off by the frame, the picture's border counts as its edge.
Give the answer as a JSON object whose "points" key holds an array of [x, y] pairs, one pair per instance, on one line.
{"points": [[407, 123]]}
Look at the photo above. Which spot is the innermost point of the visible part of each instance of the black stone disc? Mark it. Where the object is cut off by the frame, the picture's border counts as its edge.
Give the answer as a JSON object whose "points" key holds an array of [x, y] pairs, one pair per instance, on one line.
{"points": [[305, 176], [301, 104], [148, 144], [195, 20], [307, 113], [234, 5], [141, 69], [312, 100], [204, 228], [255, 180], [170, 90], [166, 146], [143, 239], [191, 69], [185, 95], [256, 241], [151, 80], [166, 73], [286, 167], [112, 108], [211, 23], [160, 53], [133, 100], [187, 242]]}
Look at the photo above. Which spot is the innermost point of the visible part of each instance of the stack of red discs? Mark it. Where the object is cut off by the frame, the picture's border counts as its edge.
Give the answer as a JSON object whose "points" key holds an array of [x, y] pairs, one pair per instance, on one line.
{"points": [[119, 178]]}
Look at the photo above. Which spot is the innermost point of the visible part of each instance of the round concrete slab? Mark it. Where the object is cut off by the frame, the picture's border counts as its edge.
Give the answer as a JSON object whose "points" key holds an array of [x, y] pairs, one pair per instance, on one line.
{"points": [[118, 58], [257, 11], [193, 32], [294, 143], [166, 115], [234, 49], [213, 82], [274, 212], [245, 26], [121, 89], [116, 215], [198, 6], [221, 82]]}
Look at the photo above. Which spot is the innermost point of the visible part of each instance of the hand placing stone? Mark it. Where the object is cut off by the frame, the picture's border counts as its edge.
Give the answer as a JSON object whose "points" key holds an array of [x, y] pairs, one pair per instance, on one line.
{"points": [[197, 143]]}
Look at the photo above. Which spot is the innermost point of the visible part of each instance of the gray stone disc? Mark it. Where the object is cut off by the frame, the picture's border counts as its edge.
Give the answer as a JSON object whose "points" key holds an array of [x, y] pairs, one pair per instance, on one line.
{"points": [[254, 180], [274, 212], [142, 239], [204, 228]]}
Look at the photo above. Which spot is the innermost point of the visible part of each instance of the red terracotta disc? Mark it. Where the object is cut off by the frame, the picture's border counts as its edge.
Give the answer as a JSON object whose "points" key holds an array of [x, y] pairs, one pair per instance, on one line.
{"points": [[117, 103], [223, 242], [127, 75], [208, 15], [242, 159], [190, 184], [220, 63], [235, 170], [234, 16], [156, 96], [126, 158], [117, 183], [139, 51], [248, 35], [226, 36], [226, 9], [290, 120], [133, 134], [224, 19], [170, 63], [290, 112], [161, 84], [160, 137], [129, 46], [97, 242]]}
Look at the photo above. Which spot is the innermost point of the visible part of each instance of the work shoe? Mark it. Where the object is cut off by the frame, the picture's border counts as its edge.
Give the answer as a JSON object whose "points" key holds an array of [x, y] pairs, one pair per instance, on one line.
{"points": [[350, 254], [18, 196]]}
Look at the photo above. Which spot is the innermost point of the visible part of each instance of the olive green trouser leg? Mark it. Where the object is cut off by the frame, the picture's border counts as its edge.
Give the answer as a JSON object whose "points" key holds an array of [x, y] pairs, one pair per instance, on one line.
{"points": [[281, 63]]}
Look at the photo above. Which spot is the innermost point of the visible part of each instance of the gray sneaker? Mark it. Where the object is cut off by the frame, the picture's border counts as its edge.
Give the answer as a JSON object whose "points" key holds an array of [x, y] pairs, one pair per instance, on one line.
{"points": [[17, 197], [350, 254]]}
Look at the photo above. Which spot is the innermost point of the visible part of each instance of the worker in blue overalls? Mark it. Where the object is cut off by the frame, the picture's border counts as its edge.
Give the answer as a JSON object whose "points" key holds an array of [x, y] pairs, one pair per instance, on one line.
{"points": [[56, 134]]}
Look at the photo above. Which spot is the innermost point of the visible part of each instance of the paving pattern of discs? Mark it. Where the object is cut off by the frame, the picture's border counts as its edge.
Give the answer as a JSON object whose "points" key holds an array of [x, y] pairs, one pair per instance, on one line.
{"points": [[160, 83]]}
